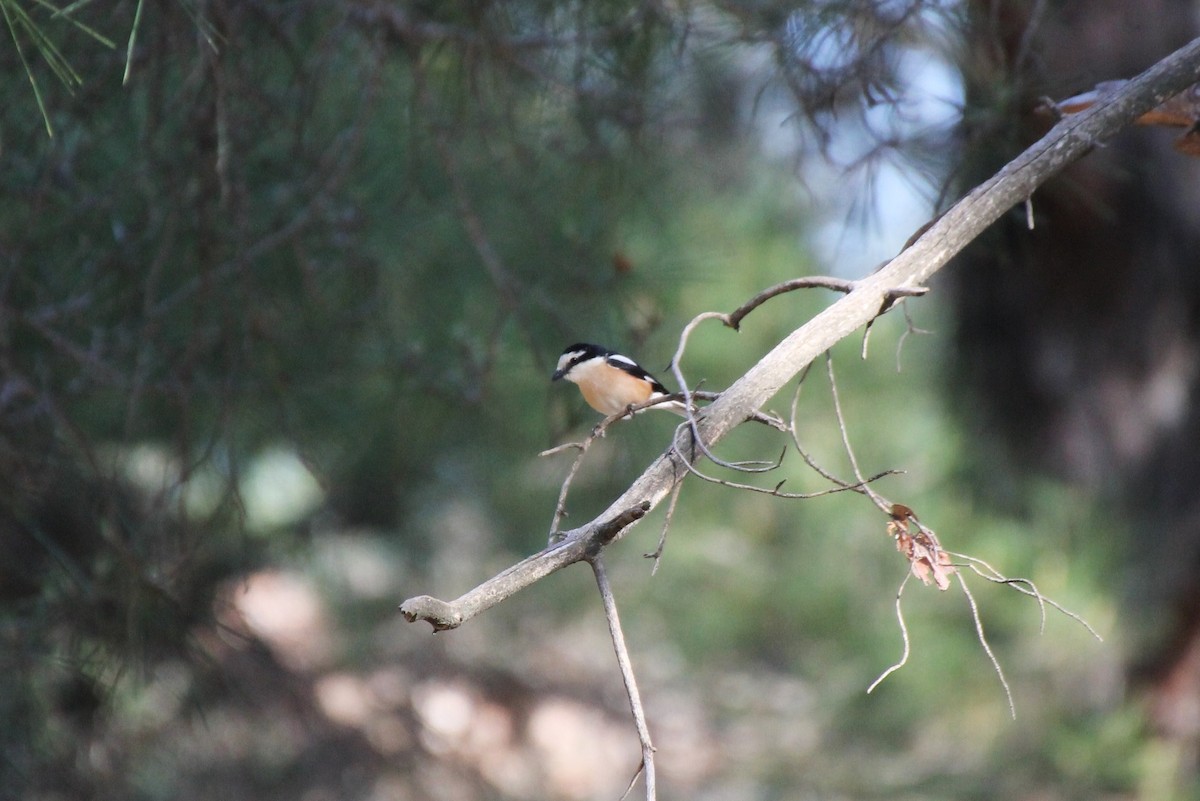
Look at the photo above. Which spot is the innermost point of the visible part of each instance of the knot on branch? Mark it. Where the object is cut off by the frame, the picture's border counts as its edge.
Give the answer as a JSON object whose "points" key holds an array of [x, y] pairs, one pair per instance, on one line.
{"points": [[606, 532]]}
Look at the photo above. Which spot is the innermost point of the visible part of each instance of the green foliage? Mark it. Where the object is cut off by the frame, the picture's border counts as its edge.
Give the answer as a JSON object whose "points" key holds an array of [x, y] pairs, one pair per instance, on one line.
{"points": [[29, 32]]}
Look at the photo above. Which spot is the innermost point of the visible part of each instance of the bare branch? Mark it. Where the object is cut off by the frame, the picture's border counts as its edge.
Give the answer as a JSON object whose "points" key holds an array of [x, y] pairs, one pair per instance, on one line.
{"points": [[1067, 141], [626, 666], [580, 544]]}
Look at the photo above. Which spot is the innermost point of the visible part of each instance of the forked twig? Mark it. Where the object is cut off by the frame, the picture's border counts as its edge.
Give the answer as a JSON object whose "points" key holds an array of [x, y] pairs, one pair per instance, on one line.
{"points": [[1025, 587], [597, 432], [633, 780], [909, 328]]}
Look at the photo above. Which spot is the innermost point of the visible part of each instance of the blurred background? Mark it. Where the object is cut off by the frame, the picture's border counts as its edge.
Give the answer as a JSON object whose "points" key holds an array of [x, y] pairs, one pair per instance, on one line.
{"points": [[281, 287]]}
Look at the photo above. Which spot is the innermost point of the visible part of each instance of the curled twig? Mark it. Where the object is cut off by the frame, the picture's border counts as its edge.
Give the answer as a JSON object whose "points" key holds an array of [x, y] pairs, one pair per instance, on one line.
{"points": [[681, 382], [979, 634], [903, 636], [734, 319], [931, 563], [677, 359]]}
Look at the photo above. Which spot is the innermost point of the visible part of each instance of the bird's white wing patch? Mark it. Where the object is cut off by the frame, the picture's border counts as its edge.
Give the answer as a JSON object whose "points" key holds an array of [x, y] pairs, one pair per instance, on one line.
{"points": [[616, 357]]}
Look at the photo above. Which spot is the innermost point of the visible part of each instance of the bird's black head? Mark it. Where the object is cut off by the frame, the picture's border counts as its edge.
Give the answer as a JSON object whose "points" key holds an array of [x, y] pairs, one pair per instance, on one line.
{"points": [[574, 354]]}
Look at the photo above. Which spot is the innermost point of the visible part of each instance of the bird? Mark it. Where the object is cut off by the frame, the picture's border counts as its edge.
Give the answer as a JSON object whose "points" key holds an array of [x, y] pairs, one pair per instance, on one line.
{"points": [[610, 382]]}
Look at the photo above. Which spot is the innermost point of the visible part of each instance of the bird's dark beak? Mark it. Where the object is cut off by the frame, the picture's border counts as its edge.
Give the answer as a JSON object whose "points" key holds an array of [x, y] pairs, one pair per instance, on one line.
{"points": [[558, 374]]}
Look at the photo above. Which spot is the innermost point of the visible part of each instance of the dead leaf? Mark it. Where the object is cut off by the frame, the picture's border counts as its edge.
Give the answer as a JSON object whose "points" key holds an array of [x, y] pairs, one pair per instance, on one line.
{"points": [[920, 546]]}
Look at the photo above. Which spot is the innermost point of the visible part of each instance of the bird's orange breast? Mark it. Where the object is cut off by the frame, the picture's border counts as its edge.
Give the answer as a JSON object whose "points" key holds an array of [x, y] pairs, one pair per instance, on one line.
{"points": [[609, 390]]}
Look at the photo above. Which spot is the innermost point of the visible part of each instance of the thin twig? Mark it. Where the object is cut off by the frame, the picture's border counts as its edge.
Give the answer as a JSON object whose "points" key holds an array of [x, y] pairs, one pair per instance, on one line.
{"points": [[677, 359], [884, 505], [734, 319], [909, 328], [808, 459], [681, 382], [626, 666], [750, 466], [765, 417], [633, 780], [557, 449], [560, 508], [1012, 707], [597, 432], [1022, 585], [775, 491], [662, 537], [1026, 587], [903, 635]]}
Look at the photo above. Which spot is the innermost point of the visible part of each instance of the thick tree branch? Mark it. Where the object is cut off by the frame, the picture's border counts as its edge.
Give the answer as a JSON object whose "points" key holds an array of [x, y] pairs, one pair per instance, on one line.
{"points": [[583, 543], [1069, 140]]}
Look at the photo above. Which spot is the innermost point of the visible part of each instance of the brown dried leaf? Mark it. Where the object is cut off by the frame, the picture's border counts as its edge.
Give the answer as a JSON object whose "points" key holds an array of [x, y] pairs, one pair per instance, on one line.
{"points": [[920, 546]]}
